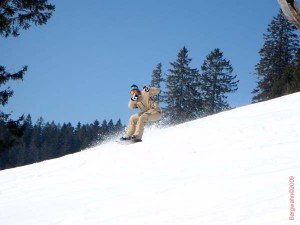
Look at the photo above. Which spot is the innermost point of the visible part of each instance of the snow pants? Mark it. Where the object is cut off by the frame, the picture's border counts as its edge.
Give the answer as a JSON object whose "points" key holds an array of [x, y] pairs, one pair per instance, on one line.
{"points": [[138, 121]]}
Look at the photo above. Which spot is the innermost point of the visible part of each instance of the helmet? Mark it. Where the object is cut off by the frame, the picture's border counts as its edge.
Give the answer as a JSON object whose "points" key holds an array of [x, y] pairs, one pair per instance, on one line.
{"points": [[134, 89]]}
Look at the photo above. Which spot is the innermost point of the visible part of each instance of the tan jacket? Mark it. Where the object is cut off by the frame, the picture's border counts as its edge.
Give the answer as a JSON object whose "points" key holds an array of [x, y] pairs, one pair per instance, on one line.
{"points": [[144, 101]]}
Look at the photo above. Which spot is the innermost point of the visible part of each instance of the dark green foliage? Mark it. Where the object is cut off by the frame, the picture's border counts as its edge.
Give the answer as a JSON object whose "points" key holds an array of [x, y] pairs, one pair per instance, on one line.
{"points": [[156, 80], [190, 95], [182, 95], [11, 130], [44, 141], [216, 81], [118, 127], [5, 76], [16, 15], [277, 67], [20, 14], [289, 82]]}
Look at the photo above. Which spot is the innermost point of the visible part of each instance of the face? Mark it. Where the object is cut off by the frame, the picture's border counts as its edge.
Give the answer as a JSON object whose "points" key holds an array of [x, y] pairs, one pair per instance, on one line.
{"points": [[134, 92]]}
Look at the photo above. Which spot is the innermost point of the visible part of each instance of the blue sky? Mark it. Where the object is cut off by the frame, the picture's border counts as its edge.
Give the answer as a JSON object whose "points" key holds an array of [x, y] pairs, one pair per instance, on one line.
{"points": [[83, 61]]}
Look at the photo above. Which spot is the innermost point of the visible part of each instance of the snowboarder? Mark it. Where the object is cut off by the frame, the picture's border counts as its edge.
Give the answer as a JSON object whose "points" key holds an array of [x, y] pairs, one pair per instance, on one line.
{"points": [[150, 111]]}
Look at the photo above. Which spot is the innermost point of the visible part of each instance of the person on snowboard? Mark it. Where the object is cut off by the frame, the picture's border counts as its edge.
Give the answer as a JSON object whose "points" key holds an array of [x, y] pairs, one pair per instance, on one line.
{"points": [[150, 111]]}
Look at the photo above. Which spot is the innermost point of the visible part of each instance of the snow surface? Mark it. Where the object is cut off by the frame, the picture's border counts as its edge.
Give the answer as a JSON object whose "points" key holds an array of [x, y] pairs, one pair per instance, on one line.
{"points": [[227, 169]]}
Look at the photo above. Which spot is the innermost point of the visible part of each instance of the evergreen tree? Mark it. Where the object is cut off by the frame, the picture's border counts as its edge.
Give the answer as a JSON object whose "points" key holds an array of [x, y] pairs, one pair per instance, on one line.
{"points": [[182, 95], [279, 50], [119, 128], [289, 82], [156, 80], [26, 139], [293, 84], [20, 14], [28, 132], [50, 146], [216, 82], [111, 127], [78, 136], [95, 132], [36, 141], [11, 130], [83, 137], [104, 129], [16, 15], [67, 139]]}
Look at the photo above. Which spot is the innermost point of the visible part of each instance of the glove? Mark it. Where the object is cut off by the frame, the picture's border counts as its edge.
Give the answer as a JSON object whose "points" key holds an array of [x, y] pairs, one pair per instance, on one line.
{"points": [[145, 88], [134, 97]]}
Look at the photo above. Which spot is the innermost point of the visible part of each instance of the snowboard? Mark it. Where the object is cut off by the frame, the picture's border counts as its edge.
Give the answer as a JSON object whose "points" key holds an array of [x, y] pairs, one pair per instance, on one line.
{"points": [[129, 142]]}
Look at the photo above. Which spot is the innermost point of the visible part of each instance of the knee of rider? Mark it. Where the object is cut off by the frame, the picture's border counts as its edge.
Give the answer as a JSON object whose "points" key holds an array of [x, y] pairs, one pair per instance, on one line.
{"points": [[133, 119], [144, 118]]}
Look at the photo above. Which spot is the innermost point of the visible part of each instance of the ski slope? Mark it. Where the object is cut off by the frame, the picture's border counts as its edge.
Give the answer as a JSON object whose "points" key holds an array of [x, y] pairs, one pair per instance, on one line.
{"points": [[227, 169]]}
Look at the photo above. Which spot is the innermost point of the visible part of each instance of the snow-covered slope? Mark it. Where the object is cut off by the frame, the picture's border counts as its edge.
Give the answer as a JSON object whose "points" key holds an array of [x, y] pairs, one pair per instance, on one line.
{"points": [[230, 168]]}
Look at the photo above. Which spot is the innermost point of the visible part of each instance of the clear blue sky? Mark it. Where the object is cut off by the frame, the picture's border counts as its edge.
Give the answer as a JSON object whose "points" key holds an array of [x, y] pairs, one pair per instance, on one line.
{"points": [[83, 61]]}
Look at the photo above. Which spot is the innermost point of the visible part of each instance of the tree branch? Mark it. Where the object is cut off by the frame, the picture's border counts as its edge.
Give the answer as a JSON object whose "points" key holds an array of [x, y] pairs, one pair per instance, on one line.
{"points": [[3, 3]]}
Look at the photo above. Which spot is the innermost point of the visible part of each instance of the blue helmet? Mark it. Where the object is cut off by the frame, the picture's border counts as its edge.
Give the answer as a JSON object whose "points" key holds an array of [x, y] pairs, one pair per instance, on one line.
{"points": [[134, 87]]}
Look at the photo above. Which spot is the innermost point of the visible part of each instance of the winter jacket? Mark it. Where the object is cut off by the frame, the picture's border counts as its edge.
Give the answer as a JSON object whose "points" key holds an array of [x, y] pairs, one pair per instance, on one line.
{"points": [[144, 101]]}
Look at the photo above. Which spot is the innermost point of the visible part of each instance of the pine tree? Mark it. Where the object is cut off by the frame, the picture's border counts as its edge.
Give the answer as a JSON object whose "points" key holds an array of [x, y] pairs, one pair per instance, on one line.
{"points": [[294, 82], [37, 141], [289, 82], [20, 14], [156, 80], [83, 136], [182, 96], [51, 142], [11, 130], [28, 132], [94, 132], [217, 81], [104, 130], [279, 50], [78, 136], [110, 127], [119, 127], [16, 15], [67, 139]]}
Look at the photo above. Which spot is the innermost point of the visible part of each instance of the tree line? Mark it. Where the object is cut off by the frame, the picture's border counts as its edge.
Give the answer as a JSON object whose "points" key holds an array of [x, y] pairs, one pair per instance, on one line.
{"points": [[43, 140]]}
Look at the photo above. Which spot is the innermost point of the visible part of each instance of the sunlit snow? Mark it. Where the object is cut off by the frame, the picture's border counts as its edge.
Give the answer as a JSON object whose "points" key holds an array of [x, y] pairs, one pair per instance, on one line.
{"points": [[227, 169]]}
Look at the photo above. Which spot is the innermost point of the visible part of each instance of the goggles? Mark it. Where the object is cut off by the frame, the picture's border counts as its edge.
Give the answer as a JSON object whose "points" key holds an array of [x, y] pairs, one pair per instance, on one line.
{"points": [[134, 92]]}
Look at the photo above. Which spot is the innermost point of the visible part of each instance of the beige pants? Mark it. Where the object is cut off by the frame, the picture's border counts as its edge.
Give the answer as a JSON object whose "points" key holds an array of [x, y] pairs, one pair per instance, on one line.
{"points": [[137, 122]]}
